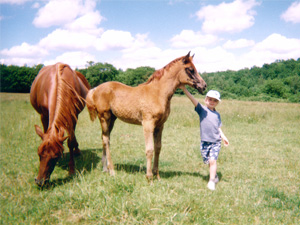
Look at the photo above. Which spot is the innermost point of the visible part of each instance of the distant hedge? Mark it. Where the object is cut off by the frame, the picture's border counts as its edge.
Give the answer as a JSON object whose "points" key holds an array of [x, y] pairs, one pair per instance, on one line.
{"points": [[271, 82]]}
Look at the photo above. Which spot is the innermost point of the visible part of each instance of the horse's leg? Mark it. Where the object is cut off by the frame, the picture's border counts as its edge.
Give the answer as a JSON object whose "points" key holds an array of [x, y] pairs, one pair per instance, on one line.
{"points": [[157, 147], [75, 143], [107, 121], [71, 147], [148, 128]]}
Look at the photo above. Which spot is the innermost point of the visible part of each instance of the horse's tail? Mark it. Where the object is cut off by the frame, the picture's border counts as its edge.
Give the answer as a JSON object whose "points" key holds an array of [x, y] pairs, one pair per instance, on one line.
{"points": [[91, 105]]}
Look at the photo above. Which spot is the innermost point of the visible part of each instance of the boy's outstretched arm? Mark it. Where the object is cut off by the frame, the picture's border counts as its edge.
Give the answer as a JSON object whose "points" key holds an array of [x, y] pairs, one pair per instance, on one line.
{"points": [[226, 142], [190, 96]]}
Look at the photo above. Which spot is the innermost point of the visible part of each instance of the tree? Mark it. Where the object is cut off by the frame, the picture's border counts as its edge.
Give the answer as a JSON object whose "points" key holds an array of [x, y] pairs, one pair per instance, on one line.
{"points": [[99, 73], [134, 77], [17, 79], [275, 88]]}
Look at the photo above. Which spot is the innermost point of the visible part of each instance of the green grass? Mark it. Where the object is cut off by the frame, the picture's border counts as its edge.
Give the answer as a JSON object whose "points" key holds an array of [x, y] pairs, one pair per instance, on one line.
{"points": [[259, 172]]}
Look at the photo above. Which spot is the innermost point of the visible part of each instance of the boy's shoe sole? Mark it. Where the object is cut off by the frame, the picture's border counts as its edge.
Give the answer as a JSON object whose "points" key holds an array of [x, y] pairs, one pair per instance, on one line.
{"points": [[211, 185]]}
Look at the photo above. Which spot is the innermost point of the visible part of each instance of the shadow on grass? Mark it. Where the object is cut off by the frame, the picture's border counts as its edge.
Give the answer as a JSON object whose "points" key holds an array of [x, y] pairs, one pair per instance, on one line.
{"points": [[131, 168], [85, 162]]}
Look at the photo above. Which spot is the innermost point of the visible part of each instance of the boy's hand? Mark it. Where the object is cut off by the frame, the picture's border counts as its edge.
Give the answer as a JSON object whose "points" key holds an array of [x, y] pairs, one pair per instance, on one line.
{"points": [[226, 142]]}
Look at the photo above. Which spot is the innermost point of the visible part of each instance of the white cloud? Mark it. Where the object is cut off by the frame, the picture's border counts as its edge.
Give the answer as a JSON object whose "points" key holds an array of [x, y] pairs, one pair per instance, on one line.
{"points": [[23, 54], [24, 50], [272, 48], [76, 59], [114, 40], [148, 56], [61, 39], [280, 45], [190, 39], [214, 59], [141, 41], [20, 61], [65, 12], [57, 13], [241, 43], [227, 17], [87, 23], [292, 14]]}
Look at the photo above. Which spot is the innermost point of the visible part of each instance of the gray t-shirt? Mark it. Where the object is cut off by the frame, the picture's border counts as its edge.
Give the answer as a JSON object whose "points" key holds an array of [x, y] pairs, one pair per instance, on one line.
{"points": [[210, 122]]}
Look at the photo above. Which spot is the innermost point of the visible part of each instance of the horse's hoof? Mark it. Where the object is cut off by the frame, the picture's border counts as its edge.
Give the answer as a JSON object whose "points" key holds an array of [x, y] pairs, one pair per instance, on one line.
{"points": [[77, 152], [72, 172]]}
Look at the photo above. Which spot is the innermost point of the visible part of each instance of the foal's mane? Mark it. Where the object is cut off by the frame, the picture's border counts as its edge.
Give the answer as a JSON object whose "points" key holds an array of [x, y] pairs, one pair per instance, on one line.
{"points": [[67, 103], [159, 73]]}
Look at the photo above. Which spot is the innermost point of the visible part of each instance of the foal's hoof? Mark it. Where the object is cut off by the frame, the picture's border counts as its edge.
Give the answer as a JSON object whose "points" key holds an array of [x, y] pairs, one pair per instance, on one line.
{"points": [[112, 173], [150, 179]]}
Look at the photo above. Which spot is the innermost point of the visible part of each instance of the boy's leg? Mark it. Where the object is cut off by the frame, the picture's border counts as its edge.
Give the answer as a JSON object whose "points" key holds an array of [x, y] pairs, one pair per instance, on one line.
{"points": [[212, 169], [213, 157], [205, 148]]}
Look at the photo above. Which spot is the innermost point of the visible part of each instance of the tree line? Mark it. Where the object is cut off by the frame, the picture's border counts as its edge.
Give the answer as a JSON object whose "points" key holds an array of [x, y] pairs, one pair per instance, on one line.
{"points": [[279, 80]]}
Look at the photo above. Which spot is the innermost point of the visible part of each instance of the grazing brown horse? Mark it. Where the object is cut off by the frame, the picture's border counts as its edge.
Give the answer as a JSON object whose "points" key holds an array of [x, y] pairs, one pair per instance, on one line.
{"points": [[57, 94], [147, 104]]}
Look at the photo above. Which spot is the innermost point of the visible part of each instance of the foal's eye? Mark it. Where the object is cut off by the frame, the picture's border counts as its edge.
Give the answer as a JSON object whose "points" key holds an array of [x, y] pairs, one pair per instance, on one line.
{"points": [[191, 70]]}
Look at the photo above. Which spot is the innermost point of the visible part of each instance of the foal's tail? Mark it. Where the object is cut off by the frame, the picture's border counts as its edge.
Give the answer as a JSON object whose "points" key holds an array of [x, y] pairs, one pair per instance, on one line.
{"points": [[91, 105]]}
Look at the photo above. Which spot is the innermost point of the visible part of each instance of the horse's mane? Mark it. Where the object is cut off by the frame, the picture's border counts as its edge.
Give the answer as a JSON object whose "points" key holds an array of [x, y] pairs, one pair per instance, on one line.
{"points": [[159, 73], [67, 103], [84, 81]]}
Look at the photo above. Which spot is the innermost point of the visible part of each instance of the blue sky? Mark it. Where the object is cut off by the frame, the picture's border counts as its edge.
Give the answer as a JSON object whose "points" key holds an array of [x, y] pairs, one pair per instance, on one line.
{"points": [[228, 34]]}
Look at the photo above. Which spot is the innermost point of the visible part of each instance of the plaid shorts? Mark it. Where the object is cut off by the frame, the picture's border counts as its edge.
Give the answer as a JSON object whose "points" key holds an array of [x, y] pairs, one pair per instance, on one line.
{"points": [[210, 150]]}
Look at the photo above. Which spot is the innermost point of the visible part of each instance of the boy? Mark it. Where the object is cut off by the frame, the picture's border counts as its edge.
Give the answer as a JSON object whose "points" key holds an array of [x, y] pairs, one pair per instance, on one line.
{"points": [[211, 133]]}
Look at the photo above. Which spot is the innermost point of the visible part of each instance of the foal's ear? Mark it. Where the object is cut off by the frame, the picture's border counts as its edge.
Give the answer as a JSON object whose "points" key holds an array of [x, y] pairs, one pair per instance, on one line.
{"points": [[39, 131], [186, 59]]}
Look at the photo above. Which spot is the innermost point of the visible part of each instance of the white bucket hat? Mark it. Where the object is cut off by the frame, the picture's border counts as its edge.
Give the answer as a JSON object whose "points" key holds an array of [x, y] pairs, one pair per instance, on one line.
{"points": [[214, 94]]}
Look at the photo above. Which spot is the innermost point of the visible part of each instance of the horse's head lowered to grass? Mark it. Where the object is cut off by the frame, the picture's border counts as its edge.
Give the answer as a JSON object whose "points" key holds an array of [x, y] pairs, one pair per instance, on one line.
{"points": [[57, 94], [49, 151], [190, 76]]}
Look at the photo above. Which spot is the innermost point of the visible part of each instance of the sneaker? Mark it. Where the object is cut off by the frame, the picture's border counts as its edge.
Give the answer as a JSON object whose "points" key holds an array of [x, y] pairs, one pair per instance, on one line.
{"points": [[211, 185], [216, 180]]}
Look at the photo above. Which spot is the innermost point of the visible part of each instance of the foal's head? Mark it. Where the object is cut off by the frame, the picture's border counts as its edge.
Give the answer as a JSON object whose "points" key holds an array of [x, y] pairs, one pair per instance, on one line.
{"points": [[189, 75], [49, 152]]}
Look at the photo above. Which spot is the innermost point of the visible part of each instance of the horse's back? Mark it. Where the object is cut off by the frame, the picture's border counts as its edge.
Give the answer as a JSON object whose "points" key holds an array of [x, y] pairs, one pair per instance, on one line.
{"points": [[41, 88], [45, 84]]}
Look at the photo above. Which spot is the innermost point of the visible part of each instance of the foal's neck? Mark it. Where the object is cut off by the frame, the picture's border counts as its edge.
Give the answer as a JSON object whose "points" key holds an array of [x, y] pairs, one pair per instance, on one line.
{"points": [[166, 87]]}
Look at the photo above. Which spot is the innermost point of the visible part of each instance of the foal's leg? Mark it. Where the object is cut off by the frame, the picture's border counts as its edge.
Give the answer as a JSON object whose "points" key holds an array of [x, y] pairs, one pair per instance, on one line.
{"points": [[157, 147], [148, 134], [107, 122]]}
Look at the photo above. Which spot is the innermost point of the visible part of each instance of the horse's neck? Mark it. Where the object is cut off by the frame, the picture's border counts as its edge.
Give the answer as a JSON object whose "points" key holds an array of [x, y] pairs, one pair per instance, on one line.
{"points": [[52, 102], [52, 131], [168, 85]]}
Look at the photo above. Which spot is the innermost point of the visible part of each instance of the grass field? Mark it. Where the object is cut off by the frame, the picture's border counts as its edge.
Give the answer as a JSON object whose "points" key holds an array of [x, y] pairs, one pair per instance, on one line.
{"points": [[259, 172]]}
